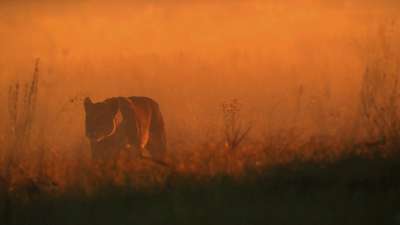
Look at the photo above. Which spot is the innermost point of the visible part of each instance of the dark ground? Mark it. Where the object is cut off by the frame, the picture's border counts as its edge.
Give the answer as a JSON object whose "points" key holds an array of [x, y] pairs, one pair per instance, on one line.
{"points": [[353, 190]]}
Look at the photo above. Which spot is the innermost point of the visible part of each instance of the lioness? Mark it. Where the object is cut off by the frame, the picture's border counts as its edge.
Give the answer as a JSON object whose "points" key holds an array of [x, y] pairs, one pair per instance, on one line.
{"points": [[133, 123]]}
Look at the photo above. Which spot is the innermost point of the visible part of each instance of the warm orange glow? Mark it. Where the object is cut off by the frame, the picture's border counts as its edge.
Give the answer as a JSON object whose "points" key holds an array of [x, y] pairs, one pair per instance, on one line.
{"points": [[291, 65]]}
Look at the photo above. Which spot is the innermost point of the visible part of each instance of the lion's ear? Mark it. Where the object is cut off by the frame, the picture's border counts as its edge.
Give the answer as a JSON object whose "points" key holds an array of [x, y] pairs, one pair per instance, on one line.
{"points": [[87, 102]]}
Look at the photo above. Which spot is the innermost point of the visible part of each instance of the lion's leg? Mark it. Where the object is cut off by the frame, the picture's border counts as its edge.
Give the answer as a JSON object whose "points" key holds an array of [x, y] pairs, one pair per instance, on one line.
{"points": [[157, 142], [156, 146], [143, 128], [144, 140], [141, 119], [138, 138]]}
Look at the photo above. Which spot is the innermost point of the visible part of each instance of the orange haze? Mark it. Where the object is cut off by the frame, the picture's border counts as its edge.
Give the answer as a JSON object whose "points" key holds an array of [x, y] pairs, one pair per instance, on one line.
{"points": [[280, 59]]}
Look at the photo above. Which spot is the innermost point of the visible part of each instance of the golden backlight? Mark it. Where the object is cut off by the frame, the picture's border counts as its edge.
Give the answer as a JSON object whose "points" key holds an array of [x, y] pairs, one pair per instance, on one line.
{"points": [[292, 65]]}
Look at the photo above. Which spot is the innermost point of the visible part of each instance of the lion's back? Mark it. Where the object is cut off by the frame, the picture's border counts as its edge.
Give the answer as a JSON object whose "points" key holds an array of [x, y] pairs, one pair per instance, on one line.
{"points": [[143, 101]]}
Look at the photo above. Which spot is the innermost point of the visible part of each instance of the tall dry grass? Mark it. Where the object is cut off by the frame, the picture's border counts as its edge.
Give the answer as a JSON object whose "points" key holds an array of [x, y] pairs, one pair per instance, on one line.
{"points": [[380, 92]]}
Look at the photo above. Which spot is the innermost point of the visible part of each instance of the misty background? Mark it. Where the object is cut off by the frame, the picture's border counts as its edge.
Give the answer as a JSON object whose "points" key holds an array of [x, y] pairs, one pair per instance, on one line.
{"points": [[290, 65]]}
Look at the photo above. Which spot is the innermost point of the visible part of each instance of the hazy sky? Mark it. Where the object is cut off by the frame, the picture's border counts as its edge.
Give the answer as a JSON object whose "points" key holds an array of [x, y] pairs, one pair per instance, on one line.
{"points": [[191, 55], [111, 29]]}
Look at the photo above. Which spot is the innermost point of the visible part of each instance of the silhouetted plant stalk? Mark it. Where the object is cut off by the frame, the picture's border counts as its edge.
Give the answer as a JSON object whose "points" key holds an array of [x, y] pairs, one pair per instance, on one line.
{"points": [[22, 111], [21, 117], [235, 131], [29, 105]]}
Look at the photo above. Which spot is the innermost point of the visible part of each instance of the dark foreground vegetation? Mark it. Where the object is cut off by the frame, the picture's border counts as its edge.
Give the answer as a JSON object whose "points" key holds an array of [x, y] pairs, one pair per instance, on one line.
{"points": [[353, 190]]}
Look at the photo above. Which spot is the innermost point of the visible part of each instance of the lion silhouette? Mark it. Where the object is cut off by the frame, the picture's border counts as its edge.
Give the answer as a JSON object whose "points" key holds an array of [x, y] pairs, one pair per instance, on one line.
{"points": [[132, 123]]}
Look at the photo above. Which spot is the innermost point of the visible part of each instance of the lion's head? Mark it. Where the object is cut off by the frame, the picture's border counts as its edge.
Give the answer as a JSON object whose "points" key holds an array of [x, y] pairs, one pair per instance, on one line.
{"points": [[102, 119]]}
